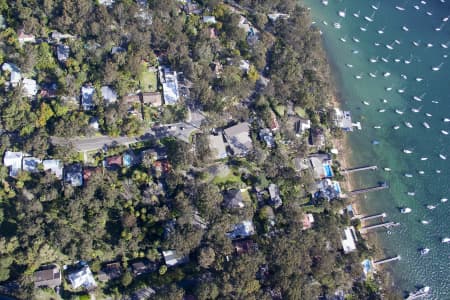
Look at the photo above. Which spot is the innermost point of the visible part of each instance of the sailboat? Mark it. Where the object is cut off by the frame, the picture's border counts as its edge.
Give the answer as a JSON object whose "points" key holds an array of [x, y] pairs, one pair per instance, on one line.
{"points": [[355, 40], [376, 7], [404, 28], [437, 68], [370, 19], [373, 60], [445, 19], [399, 8], [381, 31], [390, 46], [356, 14], [440, 27], [342, 13], [416, 44]]}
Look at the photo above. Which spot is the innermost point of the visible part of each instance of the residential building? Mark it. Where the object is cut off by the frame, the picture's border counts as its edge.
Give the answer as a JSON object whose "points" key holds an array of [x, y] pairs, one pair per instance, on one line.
{"points": [[88, 172], [169, 82], [172, 258], [328, 189], [245, 246], [13, 161], [317, 137], [57, 36], [238, 138], [62, 52], [82, 278], [301, 126], [55, 166], [25, 38], [48, 90], [343, 119], [209, 19], [47, 276], [233, 199], [217, 146], [74, 175], [113, 162], [244, 65], [321, 165], [242, 230], [275, 16], [274, 126], [274, 193], [87, 97], [139, 267], [111, 271], [301, 164], [143, 294], [30, 87], [31, 164], [108, 94], [152, 98], [106, 2], [348, 239], [308, 220], [14, 72], [266, 136]]}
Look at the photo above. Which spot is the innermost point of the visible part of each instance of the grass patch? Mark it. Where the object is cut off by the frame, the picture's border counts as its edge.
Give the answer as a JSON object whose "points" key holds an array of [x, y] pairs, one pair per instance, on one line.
{"points": [[300, 112], [229, 179], [148, 81], [280, 109], [313, 209]]}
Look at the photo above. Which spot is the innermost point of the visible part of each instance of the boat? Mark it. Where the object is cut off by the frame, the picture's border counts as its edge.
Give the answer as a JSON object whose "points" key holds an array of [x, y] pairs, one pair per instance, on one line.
{"points": [[443, 200], [342, 13], [444, 132], [377, 127], [380, 31], [358, 76], [404, 28], [421, 172], [416, 110], [370, 19], [396, 127], [401, 91], [426, 125], [407, 151], [355, 40], [435, 102], [363, 28], [438, 171], [325, 2], [429, 45], [403, 76], [409, 125], [387, 74], [342, 39], [419, 293], [445, 240], [417, 98], [424, 158], [408, 175], [416, 43], [381, 110], [376, 7], [349, 65], [389, 89], [384, 59], [398, 112], [390, 46], [443, 157], [411, 193], [397, 42], [437, 68], [397, 60], [399, 8], [431, 207], [337, 25], [366, 103], [384, 100], [424, 251], [428, 115], [356, 14], [373, 75], [373, 60], [405, 210], [445, 46], [418, 79], [425, 222], [375, 142], [387, 169], [429, 13], [445, 19], [376, 44], [446, 120], [355, 51], [325, 23]]}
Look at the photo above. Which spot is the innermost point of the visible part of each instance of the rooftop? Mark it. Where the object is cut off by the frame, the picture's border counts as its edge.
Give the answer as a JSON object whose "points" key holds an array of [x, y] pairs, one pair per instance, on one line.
{"points": [[13, 160], [82, 278], [47, 276], [87, 97], [238, 137], [31, 164], [108, 94], [217, 146], [348, 239], [242, 230], [169, 82], [53, 165], [172, 258]]}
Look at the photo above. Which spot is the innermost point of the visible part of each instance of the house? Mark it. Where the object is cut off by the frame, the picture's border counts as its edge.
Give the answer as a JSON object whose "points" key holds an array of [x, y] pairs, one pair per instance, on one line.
{"points": [[139, 267], [191, 7], [74, 175], [233, 199], [343, 119], [13, 160], [172, 258], [245, 246], [275, 16], [317, 137], [87, 97], [106, 2], [111, 271], [30, 87], [31, 164], [242, 230], [266, 136], [301, 126], [131, 99], [209, 19], [54, 166], [14, 72], [62, 52], [48, 90], [25, 38], [48, 276], [328, 189], [162, 166], [115, 50], [307, 221], [238, 138], [274, 193], [152, 98], [301, 164], [57, 36], [169, 82], [82, 278], [348, 239], [108, 94], [113, 162], [321, 165], [217, 146], [143, 294], [244, 65]]}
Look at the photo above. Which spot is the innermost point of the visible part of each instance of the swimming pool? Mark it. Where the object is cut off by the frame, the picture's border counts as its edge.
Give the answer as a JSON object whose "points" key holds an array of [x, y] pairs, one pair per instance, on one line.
{"points": [[337, 187], [328, 171]]}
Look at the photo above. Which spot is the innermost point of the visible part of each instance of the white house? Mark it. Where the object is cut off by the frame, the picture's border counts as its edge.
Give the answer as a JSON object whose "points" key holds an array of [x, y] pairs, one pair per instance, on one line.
{"points": [[172, 258], [30, 87], [87, 97], [25, 38], [55, 166], [242, 230], [108, 94], [82, 278], [13, 160], [348, 242], [238, 137], [169, 82], [31, 164], [15, 76]]}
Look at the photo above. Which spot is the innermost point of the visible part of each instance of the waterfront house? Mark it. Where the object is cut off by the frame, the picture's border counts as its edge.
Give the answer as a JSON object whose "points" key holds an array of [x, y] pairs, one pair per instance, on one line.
{"points": [[13, 161], [82, 278], [47, 276], [343, 119], [349, 239], [217, 146], [316, 137], [328, 189], [108, 94], [275, 16], [320, 165], [242, 230], [55, 166], [172, 258], [74, 175], [301, 126], [31, 164], [238, 138], [87, 97]]}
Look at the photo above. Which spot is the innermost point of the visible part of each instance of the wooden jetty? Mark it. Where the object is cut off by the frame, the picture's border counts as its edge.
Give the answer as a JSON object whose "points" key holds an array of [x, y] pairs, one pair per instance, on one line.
{"points": [[357, 169], [381, 186], [384, 224], [371, 217], [386, 260]]}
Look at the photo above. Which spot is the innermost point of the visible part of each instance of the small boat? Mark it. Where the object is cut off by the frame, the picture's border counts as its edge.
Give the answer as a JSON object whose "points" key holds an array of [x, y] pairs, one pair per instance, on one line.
{"points": [[373, 75], [408, 175], [445, 19], [384, 100], [398, 112], [397, 60], [409, 125], [355, 40], [376, 7], [429, 13], [438, 171], [403, 76], [417, 98], [356, 14], [389, 89], [444, 132], [397, 42], [355, 51], [419, 294], [437, 68], [389, 46], [381, 110], [416, 110], [423, 2], [349, 65], [404, 28], [418, 79], [377, 127], [401, 91], [424, 158], [416, 7], [425, 222], [406, 210], [445, 240], [325, 2], [380, 31], [363, 29], [337, 25], [435, 102], [366, 103], [399, 8], [446, 120], [341, 13], [387, 169], [416, 43], [396, 127], [426, 125], [342, 39], [384, 59], [421, 172], [358, 76], [428, 115], [373, 59], [375, 142], [387, 74], [445, 46], [376, 44], [443, 157], [443, 200], [424, 251], [429, 45], [325, 23], [411, 193], [407, 151], [431, 207]]}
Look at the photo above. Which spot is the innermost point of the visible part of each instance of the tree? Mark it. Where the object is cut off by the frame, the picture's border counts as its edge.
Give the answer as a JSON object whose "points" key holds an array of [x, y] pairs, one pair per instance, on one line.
{"points": [[206, 257], [126, 279]]}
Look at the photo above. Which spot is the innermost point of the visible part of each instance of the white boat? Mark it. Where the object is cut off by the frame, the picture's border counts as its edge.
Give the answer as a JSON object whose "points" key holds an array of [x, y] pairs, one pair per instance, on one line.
{"points": [[446, 120], [419, 294], [356, 14], [377, 127], [445, 19], [423, 2], [407, 151], [380, 31], [408, 175], [341, 13], [428, 115], [355, 40], [376, 7], [358, 76], [429, 45], [438, 171], [342, 39], [396, 127], [437, 68], [442, 156], [376, 44], [443, 200], [421, 172], [397, 60], [418, 79], [325, 2], [416, 7], [385, 101], [406, 210], [425, 222], [445, 46], [403, 76], [397, 42], [363, 29], [398, 112], [349, 65], [444, 132], [429, 13], [424, 251], [387, 169], [445, 240], [411, 193], [417, 98], [435, 102], [366, 103], [409, 125], [382, 110], [416, 43], [405, 28], [355, 51], [431, 207], [325, 23], [424, 158], [337, 25], [389, 89], [426, 125], [390, 46], [399, 8], [373, 59], [387, 74], [416, 110], [401, 91], [373, 75], [384, 59]]}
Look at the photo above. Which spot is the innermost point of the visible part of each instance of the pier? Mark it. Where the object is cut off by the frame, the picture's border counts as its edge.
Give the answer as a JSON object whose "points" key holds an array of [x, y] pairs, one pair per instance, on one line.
{"points": [[371, 217], [357, 169], [384, 225], [381, 186], [386, 260]]}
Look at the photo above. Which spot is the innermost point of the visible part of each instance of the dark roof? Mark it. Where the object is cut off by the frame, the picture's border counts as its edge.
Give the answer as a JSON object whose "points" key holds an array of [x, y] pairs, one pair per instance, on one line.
{"points": [[114, 160], [50, 277], [233, 199]]}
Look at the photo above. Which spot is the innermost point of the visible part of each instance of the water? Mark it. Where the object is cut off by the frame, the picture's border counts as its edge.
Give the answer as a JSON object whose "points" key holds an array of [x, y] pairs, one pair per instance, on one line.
{"points": [[414, 62]]}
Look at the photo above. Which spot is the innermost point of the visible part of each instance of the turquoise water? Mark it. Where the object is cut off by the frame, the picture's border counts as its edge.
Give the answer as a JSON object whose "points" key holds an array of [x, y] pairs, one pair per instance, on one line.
{"points": [[431, 105]]}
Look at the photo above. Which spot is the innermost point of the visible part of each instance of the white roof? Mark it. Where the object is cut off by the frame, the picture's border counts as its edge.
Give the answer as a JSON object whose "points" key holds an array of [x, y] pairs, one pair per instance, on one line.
{"points": [[109, 95], [348, 242], [55, 166], [82, 278], [238, 137], [30, 87], [244, 65], [170, 86], [87, 93], [13, 160], [15, 72], [242, 229], [172, 258], [31, 164]]}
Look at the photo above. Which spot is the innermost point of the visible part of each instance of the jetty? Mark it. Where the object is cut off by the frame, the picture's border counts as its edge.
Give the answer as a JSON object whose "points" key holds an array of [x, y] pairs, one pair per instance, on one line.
{"points": [[380, 225], [371, 217], [357, 169], [386, 260], [381, 186]]}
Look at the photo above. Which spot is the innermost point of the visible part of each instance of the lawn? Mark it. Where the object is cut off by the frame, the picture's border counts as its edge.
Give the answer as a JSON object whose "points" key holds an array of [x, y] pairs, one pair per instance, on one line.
{"points": [[148, 81]]}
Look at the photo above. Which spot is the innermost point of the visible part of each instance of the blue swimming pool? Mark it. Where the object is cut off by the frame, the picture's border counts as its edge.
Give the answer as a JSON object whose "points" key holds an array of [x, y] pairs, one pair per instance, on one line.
{"points": [[328, 171], [337, 187]]}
